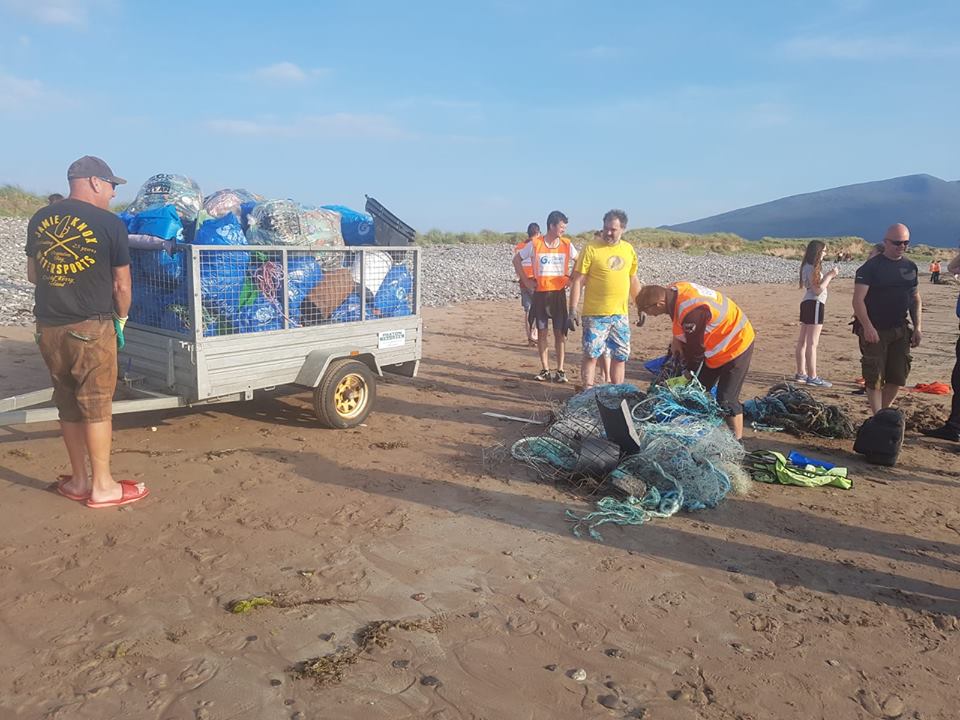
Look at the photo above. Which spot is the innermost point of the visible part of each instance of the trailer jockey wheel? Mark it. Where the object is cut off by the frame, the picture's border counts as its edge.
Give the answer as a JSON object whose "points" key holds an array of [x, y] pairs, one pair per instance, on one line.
{"points": [[345, 395]]}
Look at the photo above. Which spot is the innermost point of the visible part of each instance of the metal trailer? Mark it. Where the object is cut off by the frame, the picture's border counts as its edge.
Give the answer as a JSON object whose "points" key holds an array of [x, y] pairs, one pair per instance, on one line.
{"points": [[184, 354]]}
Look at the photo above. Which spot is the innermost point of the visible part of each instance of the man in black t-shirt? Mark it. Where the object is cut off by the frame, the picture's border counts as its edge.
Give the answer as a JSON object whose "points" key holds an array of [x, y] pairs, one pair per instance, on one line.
{"points": [[886, 301], [78, 258]]}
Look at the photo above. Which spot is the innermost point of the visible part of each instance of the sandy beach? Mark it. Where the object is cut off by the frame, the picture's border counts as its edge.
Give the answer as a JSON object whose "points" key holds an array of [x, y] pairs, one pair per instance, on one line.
{"points": [[784, 603]]}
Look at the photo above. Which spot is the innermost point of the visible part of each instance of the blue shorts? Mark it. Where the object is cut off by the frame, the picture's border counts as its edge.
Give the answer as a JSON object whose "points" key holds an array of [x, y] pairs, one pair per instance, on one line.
{"points": [[526, 298], [603, 333]]}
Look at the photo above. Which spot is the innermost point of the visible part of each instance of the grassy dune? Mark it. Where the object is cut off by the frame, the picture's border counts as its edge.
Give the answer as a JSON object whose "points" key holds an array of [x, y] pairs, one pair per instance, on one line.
{"points": [[16, 202]]}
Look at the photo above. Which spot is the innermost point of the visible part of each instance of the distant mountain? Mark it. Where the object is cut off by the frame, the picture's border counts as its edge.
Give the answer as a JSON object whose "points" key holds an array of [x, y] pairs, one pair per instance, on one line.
{"points": [[929, 206]]}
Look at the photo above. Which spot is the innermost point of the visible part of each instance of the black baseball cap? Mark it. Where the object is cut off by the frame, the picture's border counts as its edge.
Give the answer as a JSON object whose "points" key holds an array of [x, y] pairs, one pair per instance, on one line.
{"points": [[90, 166]]}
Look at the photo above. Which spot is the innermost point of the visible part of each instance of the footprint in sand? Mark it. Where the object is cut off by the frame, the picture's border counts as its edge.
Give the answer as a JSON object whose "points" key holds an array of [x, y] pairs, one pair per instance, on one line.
{"points": [[197, 674]]}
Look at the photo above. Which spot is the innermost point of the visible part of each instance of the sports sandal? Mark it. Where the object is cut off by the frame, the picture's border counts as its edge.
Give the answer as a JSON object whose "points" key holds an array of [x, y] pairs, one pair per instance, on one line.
{"points": [[132, 491], [542, 376]]}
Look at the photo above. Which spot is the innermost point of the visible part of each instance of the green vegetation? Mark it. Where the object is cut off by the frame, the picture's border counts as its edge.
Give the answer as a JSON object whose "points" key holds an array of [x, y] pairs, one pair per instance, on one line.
{"points": [[722, 243], [17, 202]]}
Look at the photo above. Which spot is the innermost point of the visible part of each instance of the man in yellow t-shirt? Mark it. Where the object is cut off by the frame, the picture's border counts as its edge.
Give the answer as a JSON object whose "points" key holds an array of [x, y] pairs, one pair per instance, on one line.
{"points": [[608, 266]]}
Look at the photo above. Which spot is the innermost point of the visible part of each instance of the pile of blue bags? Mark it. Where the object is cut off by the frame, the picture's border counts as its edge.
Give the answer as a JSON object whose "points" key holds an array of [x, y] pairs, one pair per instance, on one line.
{"points": [[242, 289]]}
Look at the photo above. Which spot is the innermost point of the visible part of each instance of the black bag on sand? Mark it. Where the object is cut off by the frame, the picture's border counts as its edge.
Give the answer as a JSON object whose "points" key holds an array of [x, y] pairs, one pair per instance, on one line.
{"points": [[880, 438]]}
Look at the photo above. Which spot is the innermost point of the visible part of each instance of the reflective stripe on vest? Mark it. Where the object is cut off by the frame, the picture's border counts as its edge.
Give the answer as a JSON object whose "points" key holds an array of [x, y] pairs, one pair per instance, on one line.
{"points": [[551, 266], [727, 333]]}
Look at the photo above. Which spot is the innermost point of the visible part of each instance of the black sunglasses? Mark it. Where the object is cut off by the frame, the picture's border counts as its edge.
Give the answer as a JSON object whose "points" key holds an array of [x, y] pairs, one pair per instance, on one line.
{"points": [[112, 184], [899, 243]]}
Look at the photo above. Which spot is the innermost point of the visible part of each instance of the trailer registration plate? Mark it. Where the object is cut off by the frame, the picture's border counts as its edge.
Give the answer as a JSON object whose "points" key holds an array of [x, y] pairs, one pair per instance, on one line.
{"points": [[391, 339]]}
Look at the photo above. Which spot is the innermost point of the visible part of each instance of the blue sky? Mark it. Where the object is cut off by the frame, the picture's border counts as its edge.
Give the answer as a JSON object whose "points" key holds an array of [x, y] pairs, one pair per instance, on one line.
{"points": [[485, 114]]}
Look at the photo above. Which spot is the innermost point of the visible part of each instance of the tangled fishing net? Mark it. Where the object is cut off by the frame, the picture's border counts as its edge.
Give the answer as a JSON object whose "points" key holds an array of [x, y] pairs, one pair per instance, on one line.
{"points": [[685, 457], [787, 407], [169, 189]]}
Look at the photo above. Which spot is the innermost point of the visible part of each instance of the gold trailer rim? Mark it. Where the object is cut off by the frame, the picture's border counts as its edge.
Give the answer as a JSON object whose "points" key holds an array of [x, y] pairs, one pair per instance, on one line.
{"points": [[351, 395]]}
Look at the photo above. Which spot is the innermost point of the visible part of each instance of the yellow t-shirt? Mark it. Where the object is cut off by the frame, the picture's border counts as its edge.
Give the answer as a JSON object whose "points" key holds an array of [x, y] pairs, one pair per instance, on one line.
{"points": [[608, 269]]}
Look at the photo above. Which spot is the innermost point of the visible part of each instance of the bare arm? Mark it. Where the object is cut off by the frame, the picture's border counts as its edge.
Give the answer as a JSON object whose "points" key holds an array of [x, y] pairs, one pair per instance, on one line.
{"points": [[576, 285], [916, 315], [32, 270], [860, 310], [635, 286], [526, 282], [122, 290]]}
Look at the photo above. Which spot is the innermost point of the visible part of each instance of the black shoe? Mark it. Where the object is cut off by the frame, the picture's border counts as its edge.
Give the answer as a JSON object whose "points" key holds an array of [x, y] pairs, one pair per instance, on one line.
{"points": [[943, 433]]}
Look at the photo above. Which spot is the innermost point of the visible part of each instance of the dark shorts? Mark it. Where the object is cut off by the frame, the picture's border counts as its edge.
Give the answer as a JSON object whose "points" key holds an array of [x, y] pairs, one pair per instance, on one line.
{"points": [[887, 361], [729, 381], [550, 305], [811, 312], [82, 360], [526, 298]]}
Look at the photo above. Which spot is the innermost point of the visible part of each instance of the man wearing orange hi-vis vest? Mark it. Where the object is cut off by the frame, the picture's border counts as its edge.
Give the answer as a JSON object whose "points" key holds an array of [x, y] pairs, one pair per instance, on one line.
{"points": [[712, 334], [551, 259], [526, 295]]}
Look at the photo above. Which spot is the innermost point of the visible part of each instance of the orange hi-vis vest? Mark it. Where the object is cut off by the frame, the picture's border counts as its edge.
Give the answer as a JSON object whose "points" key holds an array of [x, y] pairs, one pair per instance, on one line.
{"points": [[526, 264], [728, 332], [551, 266], [935, 267]]}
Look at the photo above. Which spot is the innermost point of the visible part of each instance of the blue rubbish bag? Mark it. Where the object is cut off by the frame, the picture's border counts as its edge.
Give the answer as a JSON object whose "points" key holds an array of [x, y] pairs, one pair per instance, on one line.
{"points": [[162, 222], [395, 295], [222, 274], [260, 316], [355, 226], [304, 272]]}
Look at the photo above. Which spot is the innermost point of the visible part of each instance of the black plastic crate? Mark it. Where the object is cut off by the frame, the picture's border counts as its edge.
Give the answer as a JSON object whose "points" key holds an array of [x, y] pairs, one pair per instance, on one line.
{"points": [[388, 228]]}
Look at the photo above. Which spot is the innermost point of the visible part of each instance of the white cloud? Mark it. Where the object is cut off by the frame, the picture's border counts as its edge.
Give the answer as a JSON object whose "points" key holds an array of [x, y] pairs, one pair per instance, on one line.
{"points": [[288, 72], [53, 12], [18, 93], [825, 47], [339, 125]]}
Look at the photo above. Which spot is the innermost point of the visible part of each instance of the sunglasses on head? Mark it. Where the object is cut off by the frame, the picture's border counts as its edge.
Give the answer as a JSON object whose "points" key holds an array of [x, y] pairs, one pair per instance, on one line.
{"points": [[899, 243]]}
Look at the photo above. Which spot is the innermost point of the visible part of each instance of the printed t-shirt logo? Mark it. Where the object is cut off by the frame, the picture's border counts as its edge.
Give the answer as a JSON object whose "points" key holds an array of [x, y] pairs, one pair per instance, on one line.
{"points": [[66, 247], [615, 262]]}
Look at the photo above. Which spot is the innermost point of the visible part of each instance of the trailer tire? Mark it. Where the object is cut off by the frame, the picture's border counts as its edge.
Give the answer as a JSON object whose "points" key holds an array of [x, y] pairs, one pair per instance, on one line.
{"points": [[346, 394]]}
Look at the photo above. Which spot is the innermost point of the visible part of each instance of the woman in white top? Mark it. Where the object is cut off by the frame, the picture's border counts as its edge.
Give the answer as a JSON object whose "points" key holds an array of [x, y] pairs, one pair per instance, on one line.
{"points": [[812, 306]]}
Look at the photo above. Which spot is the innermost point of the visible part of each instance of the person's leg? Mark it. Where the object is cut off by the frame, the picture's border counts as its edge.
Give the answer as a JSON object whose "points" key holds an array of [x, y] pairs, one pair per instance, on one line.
{"points": [[897, 368], [542, 348], [75, 440], [953, 422], [592, 347], [618, 349], [872, 363], [888, 393], [813, 339], [560, 342], [800, 354], [729, 386], [98, 440]]}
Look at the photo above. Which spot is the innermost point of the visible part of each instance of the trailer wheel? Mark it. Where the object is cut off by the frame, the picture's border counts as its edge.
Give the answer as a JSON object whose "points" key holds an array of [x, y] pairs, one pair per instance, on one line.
{"points": [[345, 395]]}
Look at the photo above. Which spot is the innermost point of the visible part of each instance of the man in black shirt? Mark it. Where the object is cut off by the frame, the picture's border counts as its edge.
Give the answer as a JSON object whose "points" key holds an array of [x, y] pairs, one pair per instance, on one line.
{"points": [[79, 260], [886, 301]]}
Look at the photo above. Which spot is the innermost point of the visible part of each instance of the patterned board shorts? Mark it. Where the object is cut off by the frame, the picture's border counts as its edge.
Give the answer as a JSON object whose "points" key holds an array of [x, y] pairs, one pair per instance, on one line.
{"points": [[602, 333]]}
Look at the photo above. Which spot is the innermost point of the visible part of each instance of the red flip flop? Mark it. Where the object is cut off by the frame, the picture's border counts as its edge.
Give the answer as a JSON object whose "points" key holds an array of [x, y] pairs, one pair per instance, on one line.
{"points": [[132, 491], [61, 481]]}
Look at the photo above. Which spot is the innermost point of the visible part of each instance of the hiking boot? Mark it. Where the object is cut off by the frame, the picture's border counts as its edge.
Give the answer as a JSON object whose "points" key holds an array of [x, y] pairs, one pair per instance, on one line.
{"points": [[942, 433], [819, 382], [560, 376], [800, 377], [542, 376]]}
